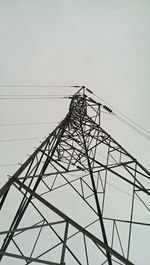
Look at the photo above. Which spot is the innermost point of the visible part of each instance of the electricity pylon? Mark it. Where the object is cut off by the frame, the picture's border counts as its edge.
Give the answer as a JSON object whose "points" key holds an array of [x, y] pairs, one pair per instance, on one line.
{"points": [[80, 198]]}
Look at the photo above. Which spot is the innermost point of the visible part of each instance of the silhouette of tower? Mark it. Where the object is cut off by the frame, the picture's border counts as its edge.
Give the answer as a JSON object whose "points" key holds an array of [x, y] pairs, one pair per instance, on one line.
{"points": [[80, 198]]}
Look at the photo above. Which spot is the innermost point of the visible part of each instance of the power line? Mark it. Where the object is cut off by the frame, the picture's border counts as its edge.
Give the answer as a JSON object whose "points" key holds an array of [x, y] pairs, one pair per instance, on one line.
{"points": [[9, 165], [123, 114], [28, 123], [135, 126], [20, 139], [16, 98], [33, 95], [35, 86]]}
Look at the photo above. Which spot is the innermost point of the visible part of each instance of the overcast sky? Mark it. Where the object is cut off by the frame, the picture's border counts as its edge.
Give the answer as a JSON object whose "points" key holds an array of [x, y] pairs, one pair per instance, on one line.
{"points": [[103, 45]]}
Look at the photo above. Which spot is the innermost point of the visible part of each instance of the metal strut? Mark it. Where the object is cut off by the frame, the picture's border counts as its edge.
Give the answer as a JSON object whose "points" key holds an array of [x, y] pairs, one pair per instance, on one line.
{"points": [[70, 154]]}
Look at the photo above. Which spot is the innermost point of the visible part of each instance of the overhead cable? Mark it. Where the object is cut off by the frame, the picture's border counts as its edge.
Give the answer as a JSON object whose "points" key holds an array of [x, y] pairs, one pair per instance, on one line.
{"points": [[16, 98], [129, 122], [9, 165], [32, 95], [20, 139], [122, 114], [26, 123], [35, 86], [132, 127]]}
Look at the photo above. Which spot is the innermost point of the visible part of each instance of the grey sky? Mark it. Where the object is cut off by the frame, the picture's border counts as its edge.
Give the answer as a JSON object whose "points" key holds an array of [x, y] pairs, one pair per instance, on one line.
{"points": [[103, 45]]}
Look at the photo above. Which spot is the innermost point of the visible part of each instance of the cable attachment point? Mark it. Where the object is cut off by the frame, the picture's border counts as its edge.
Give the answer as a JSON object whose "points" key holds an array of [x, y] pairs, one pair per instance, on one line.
{"points": [[93, 100], [107, 109], [70, 97], [89, 90], [77, 86], [81, 168]]}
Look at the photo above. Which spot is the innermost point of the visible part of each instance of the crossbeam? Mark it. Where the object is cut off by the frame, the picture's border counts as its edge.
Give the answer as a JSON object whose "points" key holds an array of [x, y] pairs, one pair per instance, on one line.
{"points": [[74, 224]]}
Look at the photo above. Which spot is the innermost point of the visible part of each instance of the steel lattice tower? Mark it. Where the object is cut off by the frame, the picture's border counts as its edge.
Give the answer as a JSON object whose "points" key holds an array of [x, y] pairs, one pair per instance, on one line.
{"points": [[62, 205]]}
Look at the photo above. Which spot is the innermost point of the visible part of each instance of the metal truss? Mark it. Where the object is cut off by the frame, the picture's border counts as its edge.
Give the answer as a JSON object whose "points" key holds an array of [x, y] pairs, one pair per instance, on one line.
{"points": [[80, 198]]}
